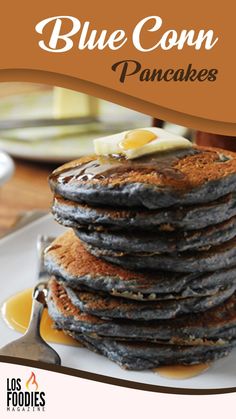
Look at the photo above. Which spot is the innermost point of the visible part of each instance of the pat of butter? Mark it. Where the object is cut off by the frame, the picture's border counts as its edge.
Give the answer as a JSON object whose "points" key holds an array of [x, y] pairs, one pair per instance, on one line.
{"points": [[139, 142], [137, 138], [70, 104]]}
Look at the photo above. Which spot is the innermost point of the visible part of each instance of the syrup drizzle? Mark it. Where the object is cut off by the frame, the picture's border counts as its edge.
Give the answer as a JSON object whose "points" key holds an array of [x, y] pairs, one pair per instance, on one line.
{"points": [[98, 168], [16, 313]]}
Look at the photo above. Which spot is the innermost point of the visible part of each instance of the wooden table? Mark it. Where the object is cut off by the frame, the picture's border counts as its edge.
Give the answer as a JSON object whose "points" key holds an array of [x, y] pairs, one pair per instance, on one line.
{"points": [[27, 190]]}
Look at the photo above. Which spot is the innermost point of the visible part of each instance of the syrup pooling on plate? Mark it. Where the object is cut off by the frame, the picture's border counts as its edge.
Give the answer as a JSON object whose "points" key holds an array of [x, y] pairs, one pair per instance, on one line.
{"points": [[181, 372], [106, 167], [16, 313]]}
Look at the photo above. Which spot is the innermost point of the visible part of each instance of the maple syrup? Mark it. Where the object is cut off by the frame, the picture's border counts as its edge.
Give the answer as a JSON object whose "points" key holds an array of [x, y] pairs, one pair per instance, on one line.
{"points": [[16, 313], [181, 372], [107, 167]]}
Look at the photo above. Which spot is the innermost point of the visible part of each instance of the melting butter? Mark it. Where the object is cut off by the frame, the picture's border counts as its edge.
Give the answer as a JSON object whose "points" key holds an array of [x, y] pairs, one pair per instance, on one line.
{"points": [[139, 142], [137, 138]]}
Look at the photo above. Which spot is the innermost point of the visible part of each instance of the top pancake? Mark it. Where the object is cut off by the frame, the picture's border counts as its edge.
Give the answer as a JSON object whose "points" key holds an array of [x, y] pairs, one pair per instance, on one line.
{"points": [[183, 177]]}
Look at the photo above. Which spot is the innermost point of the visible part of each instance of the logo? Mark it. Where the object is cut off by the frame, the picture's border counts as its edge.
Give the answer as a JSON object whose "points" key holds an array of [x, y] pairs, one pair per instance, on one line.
{"points": [[32, 382], [25, 395]]}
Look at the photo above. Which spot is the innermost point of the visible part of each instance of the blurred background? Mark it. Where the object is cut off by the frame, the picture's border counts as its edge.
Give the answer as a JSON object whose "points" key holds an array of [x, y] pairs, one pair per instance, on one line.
{"points": [[42, 127]]}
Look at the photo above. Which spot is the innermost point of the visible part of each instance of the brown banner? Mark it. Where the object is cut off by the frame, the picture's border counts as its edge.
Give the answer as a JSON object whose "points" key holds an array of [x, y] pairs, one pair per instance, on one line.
{"points": [[115, 381], [174, 63]]}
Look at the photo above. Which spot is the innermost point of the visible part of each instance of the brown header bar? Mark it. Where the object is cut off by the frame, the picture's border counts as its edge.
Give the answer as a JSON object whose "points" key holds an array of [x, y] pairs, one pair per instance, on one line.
{"points": [[174, 63]]}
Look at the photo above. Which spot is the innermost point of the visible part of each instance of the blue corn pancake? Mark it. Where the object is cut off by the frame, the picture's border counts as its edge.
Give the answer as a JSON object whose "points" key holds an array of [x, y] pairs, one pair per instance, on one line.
{"points": [[108, 307], [142, 355], [216, 325], [161, 242], [206, 260], [77, 215], [183, 177], [68, 259]]}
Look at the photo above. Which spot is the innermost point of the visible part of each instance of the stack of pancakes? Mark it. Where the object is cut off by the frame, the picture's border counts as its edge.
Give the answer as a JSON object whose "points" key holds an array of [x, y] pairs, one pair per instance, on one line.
{"points": [[147, 274]]}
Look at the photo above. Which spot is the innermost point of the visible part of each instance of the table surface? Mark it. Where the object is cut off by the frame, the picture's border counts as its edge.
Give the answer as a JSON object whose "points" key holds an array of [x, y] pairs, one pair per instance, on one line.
{"points": [[27, 190]]}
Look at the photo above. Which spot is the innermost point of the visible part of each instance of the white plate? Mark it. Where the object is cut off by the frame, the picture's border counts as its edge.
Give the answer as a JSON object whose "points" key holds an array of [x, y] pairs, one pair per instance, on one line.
{"points": [[6, 167], [57, 151], [17, 268]]}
